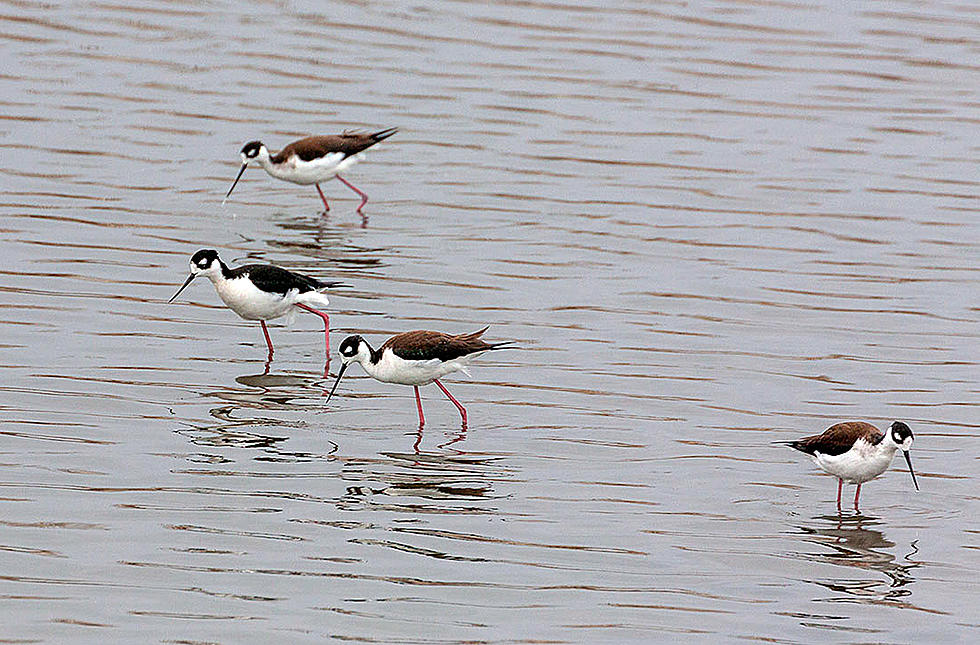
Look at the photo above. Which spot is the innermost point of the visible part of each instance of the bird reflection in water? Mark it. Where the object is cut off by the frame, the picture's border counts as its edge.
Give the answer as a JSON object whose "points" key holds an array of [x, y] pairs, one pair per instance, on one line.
{"points": [[854, 542], [454, 438], [238, 431], [421, 483], [271, 392]]}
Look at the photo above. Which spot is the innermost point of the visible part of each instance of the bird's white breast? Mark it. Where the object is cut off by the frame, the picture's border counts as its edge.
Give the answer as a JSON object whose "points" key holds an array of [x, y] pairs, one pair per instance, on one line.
{"points": [[863, 462], [250, 302], [314, 171], [393, 369]]}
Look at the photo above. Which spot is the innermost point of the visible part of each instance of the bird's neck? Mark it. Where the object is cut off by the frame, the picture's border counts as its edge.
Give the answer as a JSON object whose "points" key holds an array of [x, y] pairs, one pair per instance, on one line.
{"points": [[264, 159], [373, 358], [887, 447], [225, 273]]}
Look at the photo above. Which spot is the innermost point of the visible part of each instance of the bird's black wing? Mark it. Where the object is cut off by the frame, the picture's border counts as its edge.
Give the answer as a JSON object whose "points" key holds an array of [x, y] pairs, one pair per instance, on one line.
{"points": [[838, 439], [424, 345], [277, 280], [348, 143]]}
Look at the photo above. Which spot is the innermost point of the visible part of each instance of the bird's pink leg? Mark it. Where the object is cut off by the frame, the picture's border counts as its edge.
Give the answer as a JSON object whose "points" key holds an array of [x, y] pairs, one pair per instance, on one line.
{"points": [[268, 341], [326, 324], [856, 495], [351, 186], [840, 486], [326, 206], [462, 410], [418, 402]]}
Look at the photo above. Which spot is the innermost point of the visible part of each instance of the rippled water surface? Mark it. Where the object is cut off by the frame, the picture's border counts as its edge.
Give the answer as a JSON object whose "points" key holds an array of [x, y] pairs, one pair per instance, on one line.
{"points": [[709, 226]]}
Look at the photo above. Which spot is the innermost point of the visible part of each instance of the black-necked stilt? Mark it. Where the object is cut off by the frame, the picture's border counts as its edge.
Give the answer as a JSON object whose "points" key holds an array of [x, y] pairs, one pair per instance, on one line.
{"points": [[261, 291], [416, 358], [313, 159], [857, 451]]}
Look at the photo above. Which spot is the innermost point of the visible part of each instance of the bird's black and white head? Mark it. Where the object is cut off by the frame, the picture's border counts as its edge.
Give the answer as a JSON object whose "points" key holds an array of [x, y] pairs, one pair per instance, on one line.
{"points": [[205, 262], [253, 150], [354, 349], [901, 436]]}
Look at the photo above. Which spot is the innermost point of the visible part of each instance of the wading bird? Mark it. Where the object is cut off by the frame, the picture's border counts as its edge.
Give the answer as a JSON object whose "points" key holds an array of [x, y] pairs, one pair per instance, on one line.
{"points": [[261, 291], [416, 358], [313, 159], [857, 452]]}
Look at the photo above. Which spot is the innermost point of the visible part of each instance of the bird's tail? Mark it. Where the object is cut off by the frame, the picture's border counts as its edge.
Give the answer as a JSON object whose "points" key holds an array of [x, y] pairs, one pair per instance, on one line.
{"points": [[475, 335], [796, 445], [313, 299], [320, 284], [381, 135]]}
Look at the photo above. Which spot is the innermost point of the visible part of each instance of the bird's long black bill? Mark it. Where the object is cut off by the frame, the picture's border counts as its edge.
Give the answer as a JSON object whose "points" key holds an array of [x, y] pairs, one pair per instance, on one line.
{"points": [[235, 183], [182, 287], [908, 460], [343, 367]]}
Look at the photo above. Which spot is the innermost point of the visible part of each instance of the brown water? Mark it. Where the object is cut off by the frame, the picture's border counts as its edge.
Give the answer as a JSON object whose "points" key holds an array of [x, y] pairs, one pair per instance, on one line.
{"points": [[709, 227]]}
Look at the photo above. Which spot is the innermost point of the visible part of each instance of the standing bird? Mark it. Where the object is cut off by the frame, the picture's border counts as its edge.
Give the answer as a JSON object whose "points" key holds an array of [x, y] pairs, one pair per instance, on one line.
{"points": [[261, 291], [313, 159], [856, 451], [416, 358]]}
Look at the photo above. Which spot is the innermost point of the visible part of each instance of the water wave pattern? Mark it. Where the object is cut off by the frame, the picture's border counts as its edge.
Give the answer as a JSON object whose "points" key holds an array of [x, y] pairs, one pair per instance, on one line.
{"points": [[707, 226]]}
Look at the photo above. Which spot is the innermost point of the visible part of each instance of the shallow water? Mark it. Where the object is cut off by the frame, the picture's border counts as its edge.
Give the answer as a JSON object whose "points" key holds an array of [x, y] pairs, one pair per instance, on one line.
{"points": [[708, 226]]}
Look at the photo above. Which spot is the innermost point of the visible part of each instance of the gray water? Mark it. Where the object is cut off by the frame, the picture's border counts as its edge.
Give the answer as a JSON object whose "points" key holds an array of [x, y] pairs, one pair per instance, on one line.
{"points": [[709, 227]]}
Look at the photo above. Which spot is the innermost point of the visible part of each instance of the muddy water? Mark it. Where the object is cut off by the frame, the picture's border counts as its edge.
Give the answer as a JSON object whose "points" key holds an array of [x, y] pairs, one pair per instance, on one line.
{"points": [[708, 226]]}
